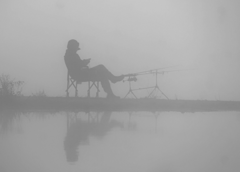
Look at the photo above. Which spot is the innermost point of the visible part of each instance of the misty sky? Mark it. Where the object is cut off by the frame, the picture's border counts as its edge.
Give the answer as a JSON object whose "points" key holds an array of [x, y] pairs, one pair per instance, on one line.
{"points": [[126, 36]]}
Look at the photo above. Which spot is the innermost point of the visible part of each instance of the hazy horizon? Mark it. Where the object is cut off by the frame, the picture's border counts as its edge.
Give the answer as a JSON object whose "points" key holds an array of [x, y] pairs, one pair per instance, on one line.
{"points": [[125, 36]]}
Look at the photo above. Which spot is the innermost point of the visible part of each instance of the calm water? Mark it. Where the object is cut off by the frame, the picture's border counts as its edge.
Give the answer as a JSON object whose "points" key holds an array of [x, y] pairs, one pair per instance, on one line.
{"points": [[117, 142]]}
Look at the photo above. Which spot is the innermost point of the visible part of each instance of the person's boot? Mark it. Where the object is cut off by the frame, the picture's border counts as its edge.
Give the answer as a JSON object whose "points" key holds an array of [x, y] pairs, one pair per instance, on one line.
{"points": [[112, 96], [117, 78]]}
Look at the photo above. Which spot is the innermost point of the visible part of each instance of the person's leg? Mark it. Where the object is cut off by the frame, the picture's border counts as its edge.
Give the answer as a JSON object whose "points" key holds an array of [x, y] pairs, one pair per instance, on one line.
{"points": [[106, 86], [102, 73]]}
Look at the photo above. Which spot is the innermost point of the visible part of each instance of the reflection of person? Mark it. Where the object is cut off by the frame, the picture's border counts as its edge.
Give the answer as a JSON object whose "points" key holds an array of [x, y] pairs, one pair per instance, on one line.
{"points": [[79, 131], [79, 70]]}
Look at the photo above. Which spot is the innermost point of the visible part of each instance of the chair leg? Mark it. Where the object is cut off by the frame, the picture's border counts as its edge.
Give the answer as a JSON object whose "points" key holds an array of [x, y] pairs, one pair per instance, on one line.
{"points": [[76, 89], [70, 83], [67, 93], [76, 92], [97, 87], [69, 86], [75, 85], [89, 88], [90, 85]]}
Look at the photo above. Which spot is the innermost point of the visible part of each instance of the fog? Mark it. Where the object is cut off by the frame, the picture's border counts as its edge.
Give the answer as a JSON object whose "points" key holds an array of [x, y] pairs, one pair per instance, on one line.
{"points": [[126, 36]]}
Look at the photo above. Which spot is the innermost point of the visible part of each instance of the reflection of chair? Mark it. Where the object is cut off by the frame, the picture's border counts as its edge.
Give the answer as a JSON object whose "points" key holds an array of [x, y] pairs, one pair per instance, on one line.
{"points": [[72, 80]]}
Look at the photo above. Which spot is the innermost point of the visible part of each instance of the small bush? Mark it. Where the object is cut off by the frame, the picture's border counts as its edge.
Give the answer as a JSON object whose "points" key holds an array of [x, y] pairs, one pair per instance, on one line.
{"points": [[10, 87], [39, 94]]}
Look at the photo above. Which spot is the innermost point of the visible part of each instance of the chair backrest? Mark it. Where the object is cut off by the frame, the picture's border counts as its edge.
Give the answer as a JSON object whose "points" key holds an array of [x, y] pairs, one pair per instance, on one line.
{"points": [[73, 71]]}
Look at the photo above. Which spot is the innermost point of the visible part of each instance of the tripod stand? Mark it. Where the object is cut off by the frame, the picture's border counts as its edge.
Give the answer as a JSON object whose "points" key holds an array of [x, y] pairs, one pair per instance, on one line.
{"points": [[130, 91], [132, 77], [156, 87]]}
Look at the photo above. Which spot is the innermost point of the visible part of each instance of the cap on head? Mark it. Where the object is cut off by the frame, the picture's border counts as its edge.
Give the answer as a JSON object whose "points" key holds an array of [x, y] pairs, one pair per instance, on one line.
{"points": [[73, 44]]}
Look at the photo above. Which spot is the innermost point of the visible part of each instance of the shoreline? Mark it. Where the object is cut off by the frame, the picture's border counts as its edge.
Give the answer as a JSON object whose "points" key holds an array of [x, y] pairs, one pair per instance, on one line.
{"points": [[86, 104]]}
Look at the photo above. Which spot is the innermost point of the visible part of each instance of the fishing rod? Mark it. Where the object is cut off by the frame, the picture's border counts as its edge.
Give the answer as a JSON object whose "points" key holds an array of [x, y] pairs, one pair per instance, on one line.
{"points": [[168, 71], [132, 76], [156, 69], [146, 72]]}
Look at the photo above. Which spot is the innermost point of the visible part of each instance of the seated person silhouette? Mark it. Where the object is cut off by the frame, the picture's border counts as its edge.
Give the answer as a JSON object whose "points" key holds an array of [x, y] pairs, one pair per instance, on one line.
{"points": [[78, 69]]}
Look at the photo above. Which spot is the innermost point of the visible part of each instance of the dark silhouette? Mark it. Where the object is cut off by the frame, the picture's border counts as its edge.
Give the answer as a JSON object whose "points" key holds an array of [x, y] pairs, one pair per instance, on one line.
{"points": [[78, 132], [78, 69]]}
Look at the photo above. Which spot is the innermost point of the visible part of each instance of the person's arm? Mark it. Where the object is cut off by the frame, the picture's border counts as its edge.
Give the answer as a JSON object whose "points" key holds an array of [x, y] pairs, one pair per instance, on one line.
{"points": [[82, 63], [86, 62]]}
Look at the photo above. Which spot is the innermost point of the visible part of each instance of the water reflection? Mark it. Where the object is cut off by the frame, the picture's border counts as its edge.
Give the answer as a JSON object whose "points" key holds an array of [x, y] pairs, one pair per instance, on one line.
{"points": [[7, 119], [124, 142], [11, 119], [79, 131], [131, 126]]}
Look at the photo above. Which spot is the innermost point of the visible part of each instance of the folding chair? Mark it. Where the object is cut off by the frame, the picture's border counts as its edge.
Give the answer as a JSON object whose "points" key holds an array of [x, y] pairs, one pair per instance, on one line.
{"points": [[73, 82]]}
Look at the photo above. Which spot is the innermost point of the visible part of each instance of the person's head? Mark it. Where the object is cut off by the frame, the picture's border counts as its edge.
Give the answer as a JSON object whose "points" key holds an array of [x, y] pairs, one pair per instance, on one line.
{"points": [[73, 45]]}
